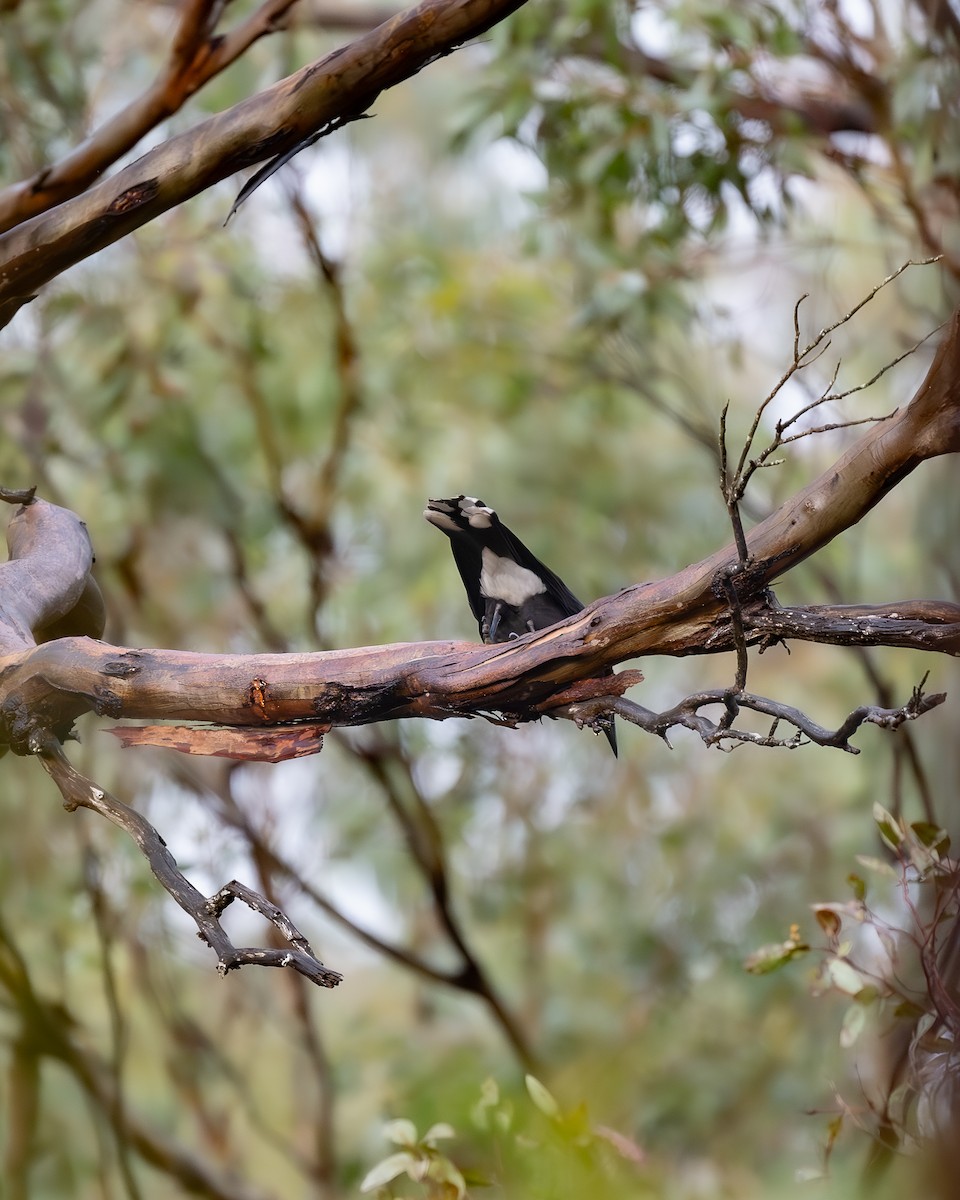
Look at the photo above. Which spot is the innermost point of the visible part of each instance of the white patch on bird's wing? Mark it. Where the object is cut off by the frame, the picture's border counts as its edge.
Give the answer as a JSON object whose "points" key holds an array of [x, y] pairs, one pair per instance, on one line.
{"points": [[477, 513], [503, 579]]}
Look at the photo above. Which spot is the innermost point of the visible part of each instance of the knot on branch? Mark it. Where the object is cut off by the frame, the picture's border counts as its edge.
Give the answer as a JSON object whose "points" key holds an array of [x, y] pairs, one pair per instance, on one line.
{"points": [[739, 583]]}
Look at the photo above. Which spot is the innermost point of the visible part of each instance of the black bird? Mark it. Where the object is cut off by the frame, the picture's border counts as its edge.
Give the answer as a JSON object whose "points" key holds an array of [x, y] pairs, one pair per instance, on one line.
{"points": [[510, 590]]}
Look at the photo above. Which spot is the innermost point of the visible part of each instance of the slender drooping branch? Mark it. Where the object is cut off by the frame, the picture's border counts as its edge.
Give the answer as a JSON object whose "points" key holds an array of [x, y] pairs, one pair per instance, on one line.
{"points": [[80, 792]]}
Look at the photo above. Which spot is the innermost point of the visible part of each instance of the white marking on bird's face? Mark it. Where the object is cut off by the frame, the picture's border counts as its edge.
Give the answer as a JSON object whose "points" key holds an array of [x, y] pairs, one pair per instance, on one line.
{"points": [[503, 579], [478, 515]]}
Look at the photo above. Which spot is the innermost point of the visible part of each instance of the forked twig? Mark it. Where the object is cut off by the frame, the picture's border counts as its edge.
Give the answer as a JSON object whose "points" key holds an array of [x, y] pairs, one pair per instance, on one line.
{"points": [[80, 792], [735, 483], [687, 715]]}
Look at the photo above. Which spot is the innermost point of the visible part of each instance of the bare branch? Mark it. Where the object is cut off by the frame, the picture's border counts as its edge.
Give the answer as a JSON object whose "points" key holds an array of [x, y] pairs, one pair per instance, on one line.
{"points": [[467, 975], [861, 387], [804, 357], [813, 430], [874, 291], [733, 487], [80, 792], [687, 715], [828, 396]]}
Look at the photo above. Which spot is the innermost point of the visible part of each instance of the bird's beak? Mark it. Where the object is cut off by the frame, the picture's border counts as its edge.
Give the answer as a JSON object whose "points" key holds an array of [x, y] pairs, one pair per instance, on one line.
{"points": [[437, 513]]}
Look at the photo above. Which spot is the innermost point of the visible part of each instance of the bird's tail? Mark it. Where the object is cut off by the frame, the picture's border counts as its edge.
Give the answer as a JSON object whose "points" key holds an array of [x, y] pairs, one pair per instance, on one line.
{"points": [[606, 725]]}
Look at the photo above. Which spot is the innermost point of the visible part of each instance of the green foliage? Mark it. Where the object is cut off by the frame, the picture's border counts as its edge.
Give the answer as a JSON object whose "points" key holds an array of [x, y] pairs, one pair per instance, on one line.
{"points": [[644, 153], [418, 1159], [532, 1144], [889, 951]]}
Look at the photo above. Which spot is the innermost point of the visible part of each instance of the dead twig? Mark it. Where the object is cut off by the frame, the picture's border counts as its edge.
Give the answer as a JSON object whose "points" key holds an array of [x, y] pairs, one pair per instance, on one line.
{"points": [[79, 792], [734, 484], [687, 715]]}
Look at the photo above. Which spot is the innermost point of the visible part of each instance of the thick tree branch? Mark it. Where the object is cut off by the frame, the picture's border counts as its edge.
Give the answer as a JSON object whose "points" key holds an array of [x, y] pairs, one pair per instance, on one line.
{"points": [[196, 56], [47, 575], [46, 687], [338, 88], [932, 625]]}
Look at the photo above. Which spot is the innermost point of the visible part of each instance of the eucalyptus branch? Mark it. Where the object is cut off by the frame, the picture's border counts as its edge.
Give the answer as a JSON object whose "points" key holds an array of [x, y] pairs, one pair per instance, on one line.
{"points": [[197, 55], [232, 816], [322, 95]]}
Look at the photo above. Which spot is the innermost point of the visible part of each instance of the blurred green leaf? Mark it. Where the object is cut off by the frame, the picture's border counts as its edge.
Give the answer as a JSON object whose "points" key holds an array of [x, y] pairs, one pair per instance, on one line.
{"points": [[841, 975], [542, 1098], [854, 1022], [401, 1131], [774, 956], [388, 1169], [877, 865], [888, 826]]}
